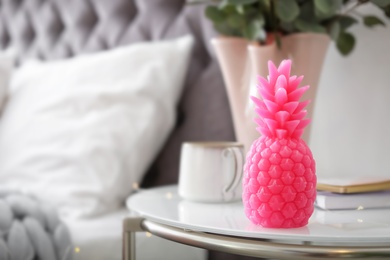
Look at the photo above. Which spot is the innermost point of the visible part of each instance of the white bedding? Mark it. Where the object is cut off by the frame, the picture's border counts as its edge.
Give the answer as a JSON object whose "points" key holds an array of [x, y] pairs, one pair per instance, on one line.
{"points": [[95, 123], [100, 238]]}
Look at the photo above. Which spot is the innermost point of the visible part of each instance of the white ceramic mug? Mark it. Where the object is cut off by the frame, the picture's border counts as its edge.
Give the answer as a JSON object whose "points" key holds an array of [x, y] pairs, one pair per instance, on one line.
{"points": [[211, 171]]}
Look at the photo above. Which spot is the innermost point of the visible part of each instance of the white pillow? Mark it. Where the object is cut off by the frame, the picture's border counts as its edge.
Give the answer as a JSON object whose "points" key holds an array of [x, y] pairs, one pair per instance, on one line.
{"points": [[80, 132], [7, 60]]}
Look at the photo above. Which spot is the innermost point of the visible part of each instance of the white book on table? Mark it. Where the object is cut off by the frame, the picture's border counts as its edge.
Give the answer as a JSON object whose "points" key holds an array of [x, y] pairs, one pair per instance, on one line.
{"points": [[329, 200]]}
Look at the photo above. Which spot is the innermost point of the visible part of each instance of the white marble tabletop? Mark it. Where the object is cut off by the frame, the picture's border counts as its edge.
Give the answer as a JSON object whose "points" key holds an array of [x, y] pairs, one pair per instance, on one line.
{"points": [[341, 227]]}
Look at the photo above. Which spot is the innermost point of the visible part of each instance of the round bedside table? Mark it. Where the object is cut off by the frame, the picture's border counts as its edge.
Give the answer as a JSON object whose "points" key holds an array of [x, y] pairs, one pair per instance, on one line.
{"points": [[224, 227]]}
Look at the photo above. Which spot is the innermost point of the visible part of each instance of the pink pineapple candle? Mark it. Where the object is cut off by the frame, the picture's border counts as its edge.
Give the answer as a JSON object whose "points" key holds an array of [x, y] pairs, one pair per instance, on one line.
{"points": [[279, 184]]}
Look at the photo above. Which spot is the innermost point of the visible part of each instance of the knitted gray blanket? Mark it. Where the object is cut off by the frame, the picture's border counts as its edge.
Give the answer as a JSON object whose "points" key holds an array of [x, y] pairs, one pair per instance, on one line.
{"points": [[30, 229]]}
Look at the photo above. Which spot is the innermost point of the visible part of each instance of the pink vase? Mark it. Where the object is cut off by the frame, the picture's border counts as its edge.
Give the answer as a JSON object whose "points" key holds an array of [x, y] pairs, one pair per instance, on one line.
{"points": [[241, 61]]}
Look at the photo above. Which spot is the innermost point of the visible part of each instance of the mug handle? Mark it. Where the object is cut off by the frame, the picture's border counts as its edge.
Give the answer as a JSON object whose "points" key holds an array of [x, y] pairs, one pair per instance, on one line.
{"points": [[238, 158]]}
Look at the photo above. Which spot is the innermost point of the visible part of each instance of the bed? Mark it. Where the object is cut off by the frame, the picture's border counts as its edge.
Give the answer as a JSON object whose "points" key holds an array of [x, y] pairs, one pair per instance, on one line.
{"points": [[54, 30]]}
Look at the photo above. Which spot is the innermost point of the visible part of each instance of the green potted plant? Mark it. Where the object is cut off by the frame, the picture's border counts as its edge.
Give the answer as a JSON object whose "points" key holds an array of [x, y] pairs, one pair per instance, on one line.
{"points": [[268, 20], [255, 31]]}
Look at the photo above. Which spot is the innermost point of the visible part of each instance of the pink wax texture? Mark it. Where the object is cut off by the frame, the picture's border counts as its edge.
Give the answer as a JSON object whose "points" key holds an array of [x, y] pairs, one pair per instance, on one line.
{"points": [[279, 184]]}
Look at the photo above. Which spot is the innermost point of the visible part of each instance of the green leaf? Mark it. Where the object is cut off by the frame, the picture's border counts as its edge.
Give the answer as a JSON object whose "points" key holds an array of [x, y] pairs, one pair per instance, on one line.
{"points": [[288, 27], [381, 3], [346, 21], [307, 12], [223, 4], [252, 33], [325, 9], [328, 7], [265, 3], [241, 2], [305, 26], [214, 14], [228, 9], [255, 29], [321, 16], [287, 10], [235, 21], [240, 9], [335, 30], [371, 21], [345, 43], [226, 30]]}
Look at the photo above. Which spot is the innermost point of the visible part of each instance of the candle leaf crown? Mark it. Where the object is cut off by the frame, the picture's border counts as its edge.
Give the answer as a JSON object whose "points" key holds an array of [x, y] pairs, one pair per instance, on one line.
{"points": [[281, 114]]}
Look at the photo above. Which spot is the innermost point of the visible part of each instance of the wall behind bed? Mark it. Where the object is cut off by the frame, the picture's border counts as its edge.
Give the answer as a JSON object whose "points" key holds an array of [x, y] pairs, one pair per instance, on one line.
{"points": [[56, 29]]}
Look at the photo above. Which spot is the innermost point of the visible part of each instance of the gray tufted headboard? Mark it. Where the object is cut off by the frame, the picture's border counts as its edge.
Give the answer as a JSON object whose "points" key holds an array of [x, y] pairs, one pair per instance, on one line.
{"points": [[55, 29]]}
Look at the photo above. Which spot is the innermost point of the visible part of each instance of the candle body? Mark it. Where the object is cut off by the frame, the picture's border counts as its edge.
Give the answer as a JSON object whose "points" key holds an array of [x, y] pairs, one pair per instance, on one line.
{"points": [[279, 184]]}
